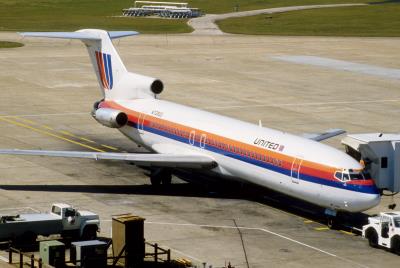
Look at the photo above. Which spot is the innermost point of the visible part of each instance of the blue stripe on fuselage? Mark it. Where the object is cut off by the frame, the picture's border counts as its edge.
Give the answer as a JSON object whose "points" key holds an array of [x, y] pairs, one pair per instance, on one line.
{"points": [[369, 189]]}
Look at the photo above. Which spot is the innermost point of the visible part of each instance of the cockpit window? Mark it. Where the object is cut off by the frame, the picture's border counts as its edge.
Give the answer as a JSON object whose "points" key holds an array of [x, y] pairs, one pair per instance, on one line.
{"points": [[356, 176], [345, 177], [349, 176]]}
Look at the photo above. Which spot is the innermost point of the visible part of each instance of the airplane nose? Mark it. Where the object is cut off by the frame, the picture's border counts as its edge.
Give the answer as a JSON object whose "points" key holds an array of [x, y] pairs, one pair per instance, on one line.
{"points": [[362, 202], [370, 201]]}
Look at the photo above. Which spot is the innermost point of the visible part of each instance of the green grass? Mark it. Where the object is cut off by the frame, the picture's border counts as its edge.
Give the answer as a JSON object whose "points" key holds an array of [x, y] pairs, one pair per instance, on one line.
{"points": [[224, 6], [374, 20], [69, 15], [6, 44]]}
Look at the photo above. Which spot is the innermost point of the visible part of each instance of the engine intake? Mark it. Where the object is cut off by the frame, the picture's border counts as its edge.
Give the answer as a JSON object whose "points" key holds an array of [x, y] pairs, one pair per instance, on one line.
{"points": [[157, 86], [110, 117]]}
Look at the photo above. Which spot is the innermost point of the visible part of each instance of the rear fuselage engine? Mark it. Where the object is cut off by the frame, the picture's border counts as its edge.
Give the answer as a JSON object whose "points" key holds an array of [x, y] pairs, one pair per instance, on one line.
{"points": [[110, 117]]}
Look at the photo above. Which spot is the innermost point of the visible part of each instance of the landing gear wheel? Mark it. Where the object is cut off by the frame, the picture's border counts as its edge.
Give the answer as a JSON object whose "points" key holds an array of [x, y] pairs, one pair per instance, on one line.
{"points": [[166, 178], [155, 180], [159, 176], [332, 223]]}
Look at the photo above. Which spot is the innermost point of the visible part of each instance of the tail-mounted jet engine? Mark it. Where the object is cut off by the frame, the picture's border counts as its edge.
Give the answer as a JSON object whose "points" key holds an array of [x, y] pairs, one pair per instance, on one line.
{"points": [[143, 86], [110, 117]]}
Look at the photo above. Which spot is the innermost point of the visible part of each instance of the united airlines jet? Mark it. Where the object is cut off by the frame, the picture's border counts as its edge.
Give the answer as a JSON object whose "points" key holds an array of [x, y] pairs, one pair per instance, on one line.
{"points": [[183, 137]]}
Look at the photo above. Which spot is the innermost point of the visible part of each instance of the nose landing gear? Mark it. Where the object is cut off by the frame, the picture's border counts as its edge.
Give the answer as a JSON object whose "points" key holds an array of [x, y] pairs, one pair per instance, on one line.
{"points": [[332, 220]]}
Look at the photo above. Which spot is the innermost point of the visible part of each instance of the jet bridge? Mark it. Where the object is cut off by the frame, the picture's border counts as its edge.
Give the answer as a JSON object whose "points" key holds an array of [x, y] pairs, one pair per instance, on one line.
{"points": [[380, 154]]}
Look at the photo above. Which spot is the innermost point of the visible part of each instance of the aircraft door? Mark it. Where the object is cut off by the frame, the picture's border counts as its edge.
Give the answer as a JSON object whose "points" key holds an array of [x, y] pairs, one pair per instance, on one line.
{"points": [[140, 123], [203, 140], [192, 137], [295, 170]]}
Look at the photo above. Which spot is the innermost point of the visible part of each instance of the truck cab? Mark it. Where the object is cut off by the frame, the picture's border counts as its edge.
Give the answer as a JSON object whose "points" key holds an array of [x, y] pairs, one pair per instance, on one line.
{"points": [[78, 223], [384, 231]]}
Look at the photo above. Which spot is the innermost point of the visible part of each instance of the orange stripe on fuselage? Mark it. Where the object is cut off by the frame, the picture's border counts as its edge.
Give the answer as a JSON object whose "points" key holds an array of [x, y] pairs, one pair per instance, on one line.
{"points": [[307, 167]]}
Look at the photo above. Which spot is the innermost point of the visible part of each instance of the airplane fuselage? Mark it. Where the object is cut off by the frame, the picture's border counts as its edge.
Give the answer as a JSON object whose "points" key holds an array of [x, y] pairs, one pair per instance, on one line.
{"points": [[290, 164]]}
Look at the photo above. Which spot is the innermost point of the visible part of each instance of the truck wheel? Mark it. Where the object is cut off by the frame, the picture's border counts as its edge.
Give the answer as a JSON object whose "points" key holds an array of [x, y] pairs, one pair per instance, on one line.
{"points": [[372, 237], [396, 245], [89, 232]]}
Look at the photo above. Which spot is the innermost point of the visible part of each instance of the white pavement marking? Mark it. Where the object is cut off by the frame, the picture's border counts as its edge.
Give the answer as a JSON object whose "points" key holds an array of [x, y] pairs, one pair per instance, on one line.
{"points": [[184, 254], [4, 259], [263, 230], [343, 65], [38, 115], [300, 104]]}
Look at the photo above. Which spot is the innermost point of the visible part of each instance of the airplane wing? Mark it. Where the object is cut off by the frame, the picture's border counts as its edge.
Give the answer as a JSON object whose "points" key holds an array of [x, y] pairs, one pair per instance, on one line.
{"points": [[325, 135], [196, 161]]}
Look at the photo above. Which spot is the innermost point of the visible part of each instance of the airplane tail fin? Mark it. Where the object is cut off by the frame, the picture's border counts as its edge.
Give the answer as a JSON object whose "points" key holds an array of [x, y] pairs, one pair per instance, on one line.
{"points": [[114, 80]]}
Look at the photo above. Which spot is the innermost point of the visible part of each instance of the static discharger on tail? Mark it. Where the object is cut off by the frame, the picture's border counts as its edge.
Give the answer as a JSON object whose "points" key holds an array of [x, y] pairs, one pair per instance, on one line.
{"points": [[183, 137]]}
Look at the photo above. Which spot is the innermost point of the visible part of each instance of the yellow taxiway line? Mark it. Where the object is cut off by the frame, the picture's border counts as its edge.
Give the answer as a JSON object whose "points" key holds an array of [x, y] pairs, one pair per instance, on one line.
{"points": [[109, 147], [49, 134]]}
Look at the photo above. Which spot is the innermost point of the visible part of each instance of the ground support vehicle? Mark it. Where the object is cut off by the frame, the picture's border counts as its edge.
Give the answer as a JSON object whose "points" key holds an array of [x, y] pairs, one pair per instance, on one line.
{"points": [[63, 219], [384, 231]]}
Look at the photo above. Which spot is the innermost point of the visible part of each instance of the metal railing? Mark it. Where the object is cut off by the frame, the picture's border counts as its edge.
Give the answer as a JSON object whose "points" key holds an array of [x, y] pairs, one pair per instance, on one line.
{"points": [[157, 252], [22, 255]]}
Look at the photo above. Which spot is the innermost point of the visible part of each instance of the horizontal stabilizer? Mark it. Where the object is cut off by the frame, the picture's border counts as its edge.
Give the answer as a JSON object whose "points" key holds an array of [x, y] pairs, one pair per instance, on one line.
{"points": [[119, 34], [158, 160], [326, 135], [78, 35]]}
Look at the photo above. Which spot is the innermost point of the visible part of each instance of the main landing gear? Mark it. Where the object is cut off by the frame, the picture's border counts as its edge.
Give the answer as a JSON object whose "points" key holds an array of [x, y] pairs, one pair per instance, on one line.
{"points": [[160, 176]]}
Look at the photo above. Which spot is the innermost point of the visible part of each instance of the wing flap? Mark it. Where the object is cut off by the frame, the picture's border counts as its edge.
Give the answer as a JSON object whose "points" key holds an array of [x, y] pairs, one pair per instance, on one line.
{"points": [[159, 160]]}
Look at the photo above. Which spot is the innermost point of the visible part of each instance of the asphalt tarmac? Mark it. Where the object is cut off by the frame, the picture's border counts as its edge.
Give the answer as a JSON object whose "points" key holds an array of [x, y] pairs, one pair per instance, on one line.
{"points": [[47, 90]]}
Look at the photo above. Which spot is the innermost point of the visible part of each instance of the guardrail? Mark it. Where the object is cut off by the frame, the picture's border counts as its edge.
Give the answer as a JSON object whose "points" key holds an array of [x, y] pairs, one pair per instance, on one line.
{"points": [[159, 251], [32, 259]]}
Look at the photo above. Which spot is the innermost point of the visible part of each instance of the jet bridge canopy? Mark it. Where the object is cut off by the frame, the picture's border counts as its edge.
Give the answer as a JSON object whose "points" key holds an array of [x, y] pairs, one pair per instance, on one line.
{"points": [[381, 156]]}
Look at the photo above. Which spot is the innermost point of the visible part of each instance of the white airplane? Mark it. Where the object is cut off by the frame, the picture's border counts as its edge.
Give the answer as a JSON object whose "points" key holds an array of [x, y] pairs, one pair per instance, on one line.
{"points": [[183, 137]]}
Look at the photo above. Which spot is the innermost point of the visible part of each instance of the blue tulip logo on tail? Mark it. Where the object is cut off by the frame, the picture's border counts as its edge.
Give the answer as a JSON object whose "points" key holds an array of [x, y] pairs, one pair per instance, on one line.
{"points": [[105, 69]]}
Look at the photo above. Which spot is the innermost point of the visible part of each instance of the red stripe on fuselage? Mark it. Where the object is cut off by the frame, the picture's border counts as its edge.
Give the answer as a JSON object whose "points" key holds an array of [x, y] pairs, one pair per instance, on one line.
{"points": [[308, 168]]}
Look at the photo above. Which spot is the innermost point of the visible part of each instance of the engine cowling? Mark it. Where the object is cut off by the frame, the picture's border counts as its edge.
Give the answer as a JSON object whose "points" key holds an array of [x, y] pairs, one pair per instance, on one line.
{"points": [[110, 117], [137, 86]]}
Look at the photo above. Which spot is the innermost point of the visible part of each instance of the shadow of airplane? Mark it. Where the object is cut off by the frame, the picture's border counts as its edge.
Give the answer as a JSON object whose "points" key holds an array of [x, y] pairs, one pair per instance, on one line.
{"points": [[221, 190]]}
